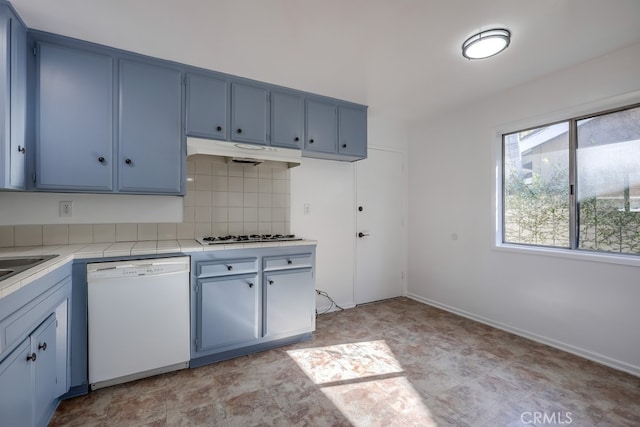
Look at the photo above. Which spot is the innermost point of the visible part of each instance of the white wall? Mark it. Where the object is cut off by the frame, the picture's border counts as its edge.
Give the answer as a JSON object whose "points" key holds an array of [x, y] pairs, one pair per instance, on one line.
{"points": [[329, 188], [589, 308], [18, 208]]}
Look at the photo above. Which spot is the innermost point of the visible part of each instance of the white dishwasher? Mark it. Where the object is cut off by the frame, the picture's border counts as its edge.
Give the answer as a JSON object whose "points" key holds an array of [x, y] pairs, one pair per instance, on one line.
{"points": [[138, 319]]}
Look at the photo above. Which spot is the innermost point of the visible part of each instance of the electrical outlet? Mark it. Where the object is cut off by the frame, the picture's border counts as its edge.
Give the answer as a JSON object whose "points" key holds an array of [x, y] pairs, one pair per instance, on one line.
{"points": [[66, 209]]}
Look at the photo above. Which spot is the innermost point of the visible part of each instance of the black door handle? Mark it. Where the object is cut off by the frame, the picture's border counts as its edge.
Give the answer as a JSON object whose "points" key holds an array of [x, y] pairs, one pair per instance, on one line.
{"points": [[361, 234]]}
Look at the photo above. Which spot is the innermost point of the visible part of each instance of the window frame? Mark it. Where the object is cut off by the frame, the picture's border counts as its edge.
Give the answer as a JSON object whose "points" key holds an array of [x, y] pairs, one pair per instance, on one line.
{"points": [[571, 116]]}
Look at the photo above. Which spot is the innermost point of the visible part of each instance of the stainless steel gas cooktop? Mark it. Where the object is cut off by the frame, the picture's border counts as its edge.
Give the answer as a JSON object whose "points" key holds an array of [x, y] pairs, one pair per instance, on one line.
{"points": [[247, 238]]}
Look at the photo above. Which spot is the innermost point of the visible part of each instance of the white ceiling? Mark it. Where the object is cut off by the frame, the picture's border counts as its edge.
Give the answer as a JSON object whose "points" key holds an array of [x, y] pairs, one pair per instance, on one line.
{"points": [[400, 57]]}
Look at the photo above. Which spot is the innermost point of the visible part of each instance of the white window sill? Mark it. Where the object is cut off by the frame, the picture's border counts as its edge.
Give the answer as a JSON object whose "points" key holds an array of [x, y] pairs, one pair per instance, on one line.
{"points": [[580, 255]]}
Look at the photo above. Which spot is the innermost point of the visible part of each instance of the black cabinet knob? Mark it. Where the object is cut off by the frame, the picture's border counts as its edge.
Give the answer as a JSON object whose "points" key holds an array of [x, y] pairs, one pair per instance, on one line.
{"points": [[219, 128], [289, 262], [250, 285], [296, 139], [344, 145], [22, 149], [239, 130], [101, 159], [271, 282], [229, 267], [128, 161], [42, 346], [32, 357], [311, 141]]}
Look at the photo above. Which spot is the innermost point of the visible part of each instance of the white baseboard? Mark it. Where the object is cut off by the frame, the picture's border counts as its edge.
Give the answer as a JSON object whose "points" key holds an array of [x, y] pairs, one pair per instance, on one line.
{"points": [[586, 354]]}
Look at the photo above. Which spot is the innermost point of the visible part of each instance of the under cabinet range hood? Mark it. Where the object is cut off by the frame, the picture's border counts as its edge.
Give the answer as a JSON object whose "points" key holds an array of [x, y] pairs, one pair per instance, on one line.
{"points": [[245, 154]]}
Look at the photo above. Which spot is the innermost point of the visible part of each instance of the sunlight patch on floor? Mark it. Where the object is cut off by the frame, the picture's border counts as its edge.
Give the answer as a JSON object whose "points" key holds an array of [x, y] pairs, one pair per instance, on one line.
{"points": [[365, 382]]}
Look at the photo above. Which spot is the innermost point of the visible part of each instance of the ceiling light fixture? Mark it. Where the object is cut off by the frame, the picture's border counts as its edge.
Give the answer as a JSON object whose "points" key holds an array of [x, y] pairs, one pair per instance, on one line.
{"points": [[486, 43]]}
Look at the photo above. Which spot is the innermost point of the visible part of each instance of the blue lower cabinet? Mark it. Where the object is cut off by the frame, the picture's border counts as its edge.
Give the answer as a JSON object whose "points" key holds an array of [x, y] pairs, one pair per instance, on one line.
{"points": [[34, 357], [288, 296], [268, 303], [228, 309], [16, 400], [43, 358], [28, 378]]}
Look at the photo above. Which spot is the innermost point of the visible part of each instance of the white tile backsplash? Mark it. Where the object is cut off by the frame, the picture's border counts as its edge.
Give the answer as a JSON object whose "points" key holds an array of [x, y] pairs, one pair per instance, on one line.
{"points": [[55, 234], [220, 199], [28, 235], [80, 233]]}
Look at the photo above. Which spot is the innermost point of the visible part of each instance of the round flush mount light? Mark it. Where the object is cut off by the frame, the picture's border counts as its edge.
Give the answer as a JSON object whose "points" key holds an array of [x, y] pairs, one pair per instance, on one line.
{"points": [[486, 43]]}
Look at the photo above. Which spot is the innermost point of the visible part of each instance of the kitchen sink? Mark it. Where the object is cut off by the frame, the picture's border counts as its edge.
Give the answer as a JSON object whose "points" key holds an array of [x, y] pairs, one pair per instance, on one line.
{"points": [[11, 266]]}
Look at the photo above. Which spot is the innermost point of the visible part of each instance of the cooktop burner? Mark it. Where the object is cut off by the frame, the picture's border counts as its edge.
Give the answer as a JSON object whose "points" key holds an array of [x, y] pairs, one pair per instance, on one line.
{"points": [[247, 238]]}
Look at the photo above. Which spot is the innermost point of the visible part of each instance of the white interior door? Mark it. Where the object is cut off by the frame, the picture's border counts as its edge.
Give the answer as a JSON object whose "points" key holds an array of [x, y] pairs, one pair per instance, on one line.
{"points": [[379, 226]]}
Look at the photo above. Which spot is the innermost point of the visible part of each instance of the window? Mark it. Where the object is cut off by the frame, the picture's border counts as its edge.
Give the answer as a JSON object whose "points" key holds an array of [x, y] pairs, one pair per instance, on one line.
{"points": [[574, 184]]}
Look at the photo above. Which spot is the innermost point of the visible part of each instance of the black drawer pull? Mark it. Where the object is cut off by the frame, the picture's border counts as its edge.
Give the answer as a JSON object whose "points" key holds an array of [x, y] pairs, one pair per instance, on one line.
{"points": [[43, 346]]}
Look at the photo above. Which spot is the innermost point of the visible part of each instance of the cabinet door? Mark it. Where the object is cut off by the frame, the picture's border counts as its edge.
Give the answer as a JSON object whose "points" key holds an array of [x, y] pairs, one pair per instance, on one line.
{"points": [[150, 143], [290, 302], [16, 399], [43, 345], [207, 106], [13, 106], [74, 133], [5, 97], [322, 127], [248, 113], [352, 130], [228, 311], [287, 120]]}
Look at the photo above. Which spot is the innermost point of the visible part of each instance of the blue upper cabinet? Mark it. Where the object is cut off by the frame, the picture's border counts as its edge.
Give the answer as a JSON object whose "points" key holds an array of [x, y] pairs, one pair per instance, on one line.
{"points": [[352, 131], [287, 120], [336, 130], [74, 116], [322, 128], [106, 121], [249, 113], [150, 139], [207, 107], [13, 108]]}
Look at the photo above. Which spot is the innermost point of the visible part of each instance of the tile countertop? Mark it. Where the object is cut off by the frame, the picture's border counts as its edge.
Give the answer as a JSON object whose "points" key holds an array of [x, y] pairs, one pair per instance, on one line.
{"points": [[67, 253]]}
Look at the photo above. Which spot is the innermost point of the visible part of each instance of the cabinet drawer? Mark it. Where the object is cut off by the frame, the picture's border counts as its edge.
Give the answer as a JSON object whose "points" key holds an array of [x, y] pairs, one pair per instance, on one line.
{"points": [[227, 267], [288, 261]]}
